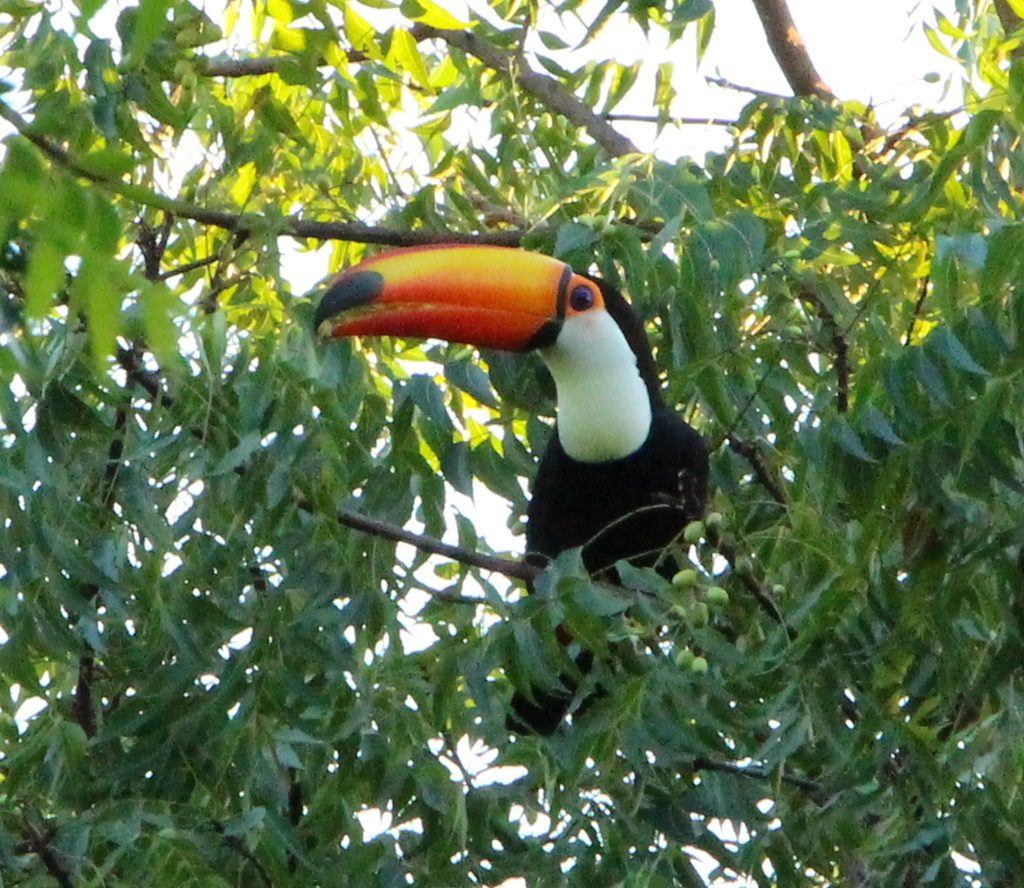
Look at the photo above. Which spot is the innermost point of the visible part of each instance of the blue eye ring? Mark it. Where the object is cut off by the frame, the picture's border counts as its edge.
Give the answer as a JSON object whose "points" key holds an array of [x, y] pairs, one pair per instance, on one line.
{"points": [[581, 298]]}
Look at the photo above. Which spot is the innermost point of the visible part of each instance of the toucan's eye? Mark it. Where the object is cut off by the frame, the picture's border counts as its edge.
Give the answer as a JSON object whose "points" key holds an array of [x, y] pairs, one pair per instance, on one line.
{"points": [[581, 298]]}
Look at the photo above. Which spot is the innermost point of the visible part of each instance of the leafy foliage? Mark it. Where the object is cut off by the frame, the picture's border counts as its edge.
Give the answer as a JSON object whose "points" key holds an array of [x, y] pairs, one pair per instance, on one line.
{"points": [[232, 686]]}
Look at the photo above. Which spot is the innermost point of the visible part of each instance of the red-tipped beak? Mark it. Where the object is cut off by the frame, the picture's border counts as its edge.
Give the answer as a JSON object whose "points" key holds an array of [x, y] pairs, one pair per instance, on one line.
{"points": [[494, 297]]}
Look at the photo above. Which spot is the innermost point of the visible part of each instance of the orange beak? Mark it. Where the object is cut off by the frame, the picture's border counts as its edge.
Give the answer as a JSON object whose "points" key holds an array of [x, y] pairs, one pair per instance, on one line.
{"points": [[493, 297]]}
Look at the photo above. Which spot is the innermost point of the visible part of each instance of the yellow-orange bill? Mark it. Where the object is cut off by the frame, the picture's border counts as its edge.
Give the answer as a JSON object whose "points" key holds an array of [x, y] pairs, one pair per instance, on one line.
{"points": [[494, 297]]}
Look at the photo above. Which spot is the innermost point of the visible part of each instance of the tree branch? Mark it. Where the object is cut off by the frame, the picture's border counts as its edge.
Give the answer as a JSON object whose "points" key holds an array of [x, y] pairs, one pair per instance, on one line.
{"points": [[237, 845], [517, 570], [545, 89], [187, 267], [753, 456], [922, 294], [513, 569], [789, 50], [761, 595], [257, 67], [39, 844], [243, 223], [295, 807], [706, 764]]}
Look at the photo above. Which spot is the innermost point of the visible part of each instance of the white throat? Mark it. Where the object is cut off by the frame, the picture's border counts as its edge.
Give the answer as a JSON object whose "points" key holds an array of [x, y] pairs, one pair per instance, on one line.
{"points": [[604, 411]]}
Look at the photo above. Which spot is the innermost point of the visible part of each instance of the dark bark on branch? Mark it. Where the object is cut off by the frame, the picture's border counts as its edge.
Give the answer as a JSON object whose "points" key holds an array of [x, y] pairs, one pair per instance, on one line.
{"points": [[256, 67], [761, 595], [39, 844], [83, 708], [753, 456], [808, 786], [187, 267], [295, 807], [545, 89], [922, 294], [129, 361], [517, 570], [238, 846], [1011, 23], [789, 50]]}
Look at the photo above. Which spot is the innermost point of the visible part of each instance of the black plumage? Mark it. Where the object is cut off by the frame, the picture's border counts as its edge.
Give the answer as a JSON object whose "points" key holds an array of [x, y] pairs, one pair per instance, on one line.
{"points": [[629, 508]]}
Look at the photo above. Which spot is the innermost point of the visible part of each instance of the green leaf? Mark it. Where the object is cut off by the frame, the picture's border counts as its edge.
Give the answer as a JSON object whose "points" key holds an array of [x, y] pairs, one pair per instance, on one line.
{"points": [[408, 58], [468, 376], [150, 21], [849, 441], [880, 427], [96, 288], [432, 14], [573, 236], [953, 352], [46, 275], [108, 163]]}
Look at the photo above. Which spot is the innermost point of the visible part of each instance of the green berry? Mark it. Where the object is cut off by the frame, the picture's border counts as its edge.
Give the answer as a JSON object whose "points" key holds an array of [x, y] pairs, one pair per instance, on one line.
{"points": [[685, 658], [685, 578], [699, 666], [717, 596], [693, 531], [714, 520]]}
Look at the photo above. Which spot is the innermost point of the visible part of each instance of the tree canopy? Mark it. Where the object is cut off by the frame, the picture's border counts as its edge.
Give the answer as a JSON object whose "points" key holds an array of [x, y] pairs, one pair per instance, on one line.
{"points": [[248, 659]]}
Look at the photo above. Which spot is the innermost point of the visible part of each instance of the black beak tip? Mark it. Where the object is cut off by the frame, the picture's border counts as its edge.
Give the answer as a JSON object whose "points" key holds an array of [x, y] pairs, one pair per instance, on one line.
{"points": [[348, 292]]}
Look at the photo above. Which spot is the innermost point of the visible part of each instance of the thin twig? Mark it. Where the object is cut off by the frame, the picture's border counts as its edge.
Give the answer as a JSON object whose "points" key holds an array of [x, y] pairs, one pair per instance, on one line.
{"points": [[187, 267], [753, 456], [238, 846], [514, 569], [295, 811], [257, 67], [722, 83], [761, 595], [129, 361], [707, 764], [518, 570], [83, 708], [679, 121], [922, 294]]}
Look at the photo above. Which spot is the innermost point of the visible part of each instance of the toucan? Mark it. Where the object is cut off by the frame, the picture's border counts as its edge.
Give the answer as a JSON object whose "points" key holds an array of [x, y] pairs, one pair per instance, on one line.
{"points": [[622, 474]]}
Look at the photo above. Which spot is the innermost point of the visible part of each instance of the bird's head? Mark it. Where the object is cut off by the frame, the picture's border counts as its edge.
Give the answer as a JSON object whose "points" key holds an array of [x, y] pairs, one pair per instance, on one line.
{"points": [[514, 300]]}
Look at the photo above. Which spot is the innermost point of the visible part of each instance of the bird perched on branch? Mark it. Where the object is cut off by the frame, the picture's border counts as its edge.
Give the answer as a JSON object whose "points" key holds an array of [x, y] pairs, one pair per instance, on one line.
{"points": [[623, 474]]}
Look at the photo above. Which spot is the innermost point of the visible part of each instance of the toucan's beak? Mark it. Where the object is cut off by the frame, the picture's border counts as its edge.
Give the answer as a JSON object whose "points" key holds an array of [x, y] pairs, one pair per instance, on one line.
{"points": [[494, 297]]}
